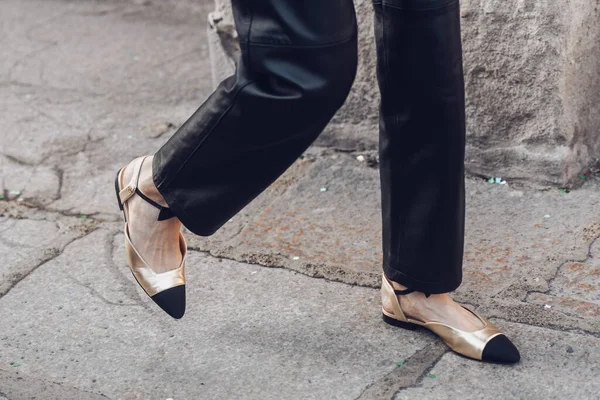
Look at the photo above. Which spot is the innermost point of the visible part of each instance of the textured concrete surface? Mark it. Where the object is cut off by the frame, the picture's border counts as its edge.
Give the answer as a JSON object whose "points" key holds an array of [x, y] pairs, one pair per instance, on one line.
{"points": [[576, 287], [558, 365], [30, 239], [85, 82], [88, 85], [249, 332], [18, 386]]}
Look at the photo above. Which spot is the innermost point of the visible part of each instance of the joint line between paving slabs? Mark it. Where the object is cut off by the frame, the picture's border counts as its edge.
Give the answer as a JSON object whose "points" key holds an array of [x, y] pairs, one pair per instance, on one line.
{"points": [[419, 380], [409, 374], [321, 275]]}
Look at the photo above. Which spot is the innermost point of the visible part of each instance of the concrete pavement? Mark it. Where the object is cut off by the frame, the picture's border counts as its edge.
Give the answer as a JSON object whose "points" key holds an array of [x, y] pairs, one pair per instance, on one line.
{"points": [[86, 86]]}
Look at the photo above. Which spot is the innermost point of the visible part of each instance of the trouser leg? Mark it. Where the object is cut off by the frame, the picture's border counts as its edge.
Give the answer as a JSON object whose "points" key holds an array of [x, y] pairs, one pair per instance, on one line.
{"points": [[422, 142], [297, 66]]}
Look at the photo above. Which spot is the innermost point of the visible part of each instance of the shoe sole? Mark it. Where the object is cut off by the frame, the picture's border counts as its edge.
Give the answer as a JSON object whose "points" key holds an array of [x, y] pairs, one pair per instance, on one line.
{"points": [[400, 324]]}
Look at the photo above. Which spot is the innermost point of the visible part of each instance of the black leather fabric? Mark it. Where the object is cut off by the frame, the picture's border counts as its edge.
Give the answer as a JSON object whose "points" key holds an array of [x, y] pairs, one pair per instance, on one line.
{"points": [[298, 63], [422, 142], [296, 70]]}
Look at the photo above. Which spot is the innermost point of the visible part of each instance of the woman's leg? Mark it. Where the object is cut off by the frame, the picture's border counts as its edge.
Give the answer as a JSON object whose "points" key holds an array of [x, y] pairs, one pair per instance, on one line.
{"points": [[297, 66], [422, 143]]}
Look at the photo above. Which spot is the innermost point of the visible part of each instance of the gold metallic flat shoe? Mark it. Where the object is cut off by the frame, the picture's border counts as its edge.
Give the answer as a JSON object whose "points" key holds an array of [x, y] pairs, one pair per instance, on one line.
{"points": [[167, 289], [487, 344]]}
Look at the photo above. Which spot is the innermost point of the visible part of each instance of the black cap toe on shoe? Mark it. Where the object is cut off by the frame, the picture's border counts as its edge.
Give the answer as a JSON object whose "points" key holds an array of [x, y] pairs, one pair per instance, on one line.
{"points": [[500, 350], [172, 301]]}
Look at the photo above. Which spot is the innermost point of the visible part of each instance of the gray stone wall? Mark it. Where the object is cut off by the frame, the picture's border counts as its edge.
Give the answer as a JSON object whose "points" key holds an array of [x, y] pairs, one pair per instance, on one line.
{"points": [[532, 75], [533, 81]]}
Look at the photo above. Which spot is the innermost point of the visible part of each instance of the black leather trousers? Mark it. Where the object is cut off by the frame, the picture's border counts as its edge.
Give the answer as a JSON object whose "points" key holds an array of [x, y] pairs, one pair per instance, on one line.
{"points": [[298, 63]]}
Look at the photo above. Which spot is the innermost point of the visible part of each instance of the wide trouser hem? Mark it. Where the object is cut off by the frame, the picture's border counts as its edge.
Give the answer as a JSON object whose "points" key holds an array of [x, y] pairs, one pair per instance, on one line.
{"points": [[421, 286], [191, 224]]}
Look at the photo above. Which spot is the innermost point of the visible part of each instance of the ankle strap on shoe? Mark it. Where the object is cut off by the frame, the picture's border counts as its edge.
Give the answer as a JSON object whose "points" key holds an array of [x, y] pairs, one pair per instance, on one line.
{"points": [[408, 291], [164, 212], [132, 188]]}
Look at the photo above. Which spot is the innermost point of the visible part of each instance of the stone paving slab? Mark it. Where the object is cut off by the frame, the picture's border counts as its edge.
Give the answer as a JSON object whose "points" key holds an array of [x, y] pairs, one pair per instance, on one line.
{"points": [[515, 239], [555, 365], [249, 332], [301, 226], [526, 233]]}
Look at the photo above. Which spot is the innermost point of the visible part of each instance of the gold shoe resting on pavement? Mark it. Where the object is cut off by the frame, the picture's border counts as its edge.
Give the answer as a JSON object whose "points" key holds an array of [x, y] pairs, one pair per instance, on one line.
{"points": [[486, 344], [167, 289]]}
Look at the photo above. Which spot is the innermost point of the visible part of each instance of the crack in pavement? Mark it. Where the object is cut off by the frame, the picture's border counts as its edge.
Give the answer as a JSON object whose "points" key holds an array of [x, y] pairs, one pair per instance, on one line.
{"points": [[48, 255], [316, 271], [557, 271], [97, 294], [18, 161], [409, 374], [555, 313], [52, 253], [22, 208], [26, 386]]}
